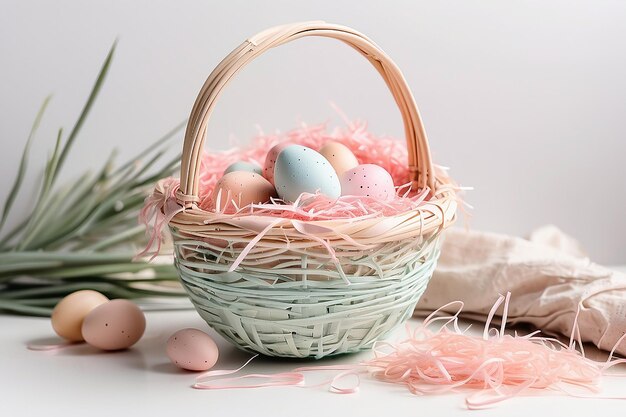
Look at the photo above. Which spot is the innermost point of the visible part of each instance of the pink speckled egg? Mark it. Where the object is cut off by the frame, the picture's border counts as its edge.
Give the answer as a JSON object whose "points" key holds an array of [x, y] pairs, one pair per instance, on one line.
{"points": [[241, 188], [339, 156], [368, 180], [192, 349], [270, 161], [114, 325]]}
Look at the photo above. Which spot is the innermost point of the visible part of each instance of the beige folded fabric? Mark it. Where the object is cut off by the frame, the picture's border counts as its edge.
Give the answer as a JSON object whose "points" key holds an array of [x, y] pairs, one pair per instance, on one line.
{"points": [[548, 276]]}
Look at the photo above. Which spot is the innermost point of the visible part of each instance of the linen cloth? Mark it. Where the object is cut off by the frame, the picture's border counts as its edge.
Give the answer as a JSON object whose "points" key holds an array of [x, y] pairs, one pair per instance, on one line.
{"points": [[548, 276]]}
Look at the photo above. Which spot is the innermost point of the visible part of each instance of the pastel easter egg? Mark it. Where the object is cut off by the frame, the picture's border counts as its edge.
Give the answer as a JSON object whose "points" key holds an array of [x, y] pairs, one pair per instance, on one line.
{"points": [[114, 325], [69, 314], [192, 349], [300, 169], [339, 156], [244, 166], [238, 189], [368, 180], [270, 161]]}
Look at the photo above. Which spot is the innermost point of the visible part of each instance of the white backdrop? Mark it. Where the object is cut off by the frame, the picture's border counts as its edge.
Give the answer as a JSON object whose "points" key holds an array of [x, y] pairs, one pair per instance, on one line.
{"points": [[525, 100]]}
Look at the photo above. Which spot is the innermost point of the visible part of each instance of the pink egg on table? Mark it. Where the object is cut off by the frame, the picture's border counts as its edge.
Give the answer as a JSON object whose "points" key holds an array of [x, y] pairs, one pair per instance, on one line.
{"points": [[368, 180], [192, 349], [270, 161], [114, 325]]}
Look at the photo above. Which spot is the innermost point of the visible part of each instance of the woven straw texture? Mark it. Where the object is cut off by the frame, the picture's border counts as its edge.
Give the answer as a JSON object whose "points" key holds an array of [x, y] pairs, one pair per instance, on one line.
{"points": [[295, 288], [301, 306]]}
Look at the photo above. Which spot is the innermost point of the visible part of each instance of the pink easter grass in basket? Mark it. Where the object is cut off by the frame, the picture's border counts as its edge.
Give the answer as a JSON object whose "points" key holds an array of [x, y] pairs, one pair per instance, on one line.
{"points": [[386, 152]]}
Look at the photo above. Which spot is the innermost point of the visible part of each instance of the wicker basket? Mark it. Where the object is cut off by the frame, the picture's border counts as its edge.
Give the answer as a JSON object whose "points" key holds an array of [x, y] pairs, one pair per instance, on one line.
{"points": [[288, 296]]}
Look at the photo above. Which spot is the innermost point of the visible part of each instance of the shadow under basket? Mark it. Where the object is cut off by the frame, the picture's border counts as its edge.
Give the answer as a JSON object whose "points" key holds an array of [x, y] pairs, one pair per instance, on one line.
{"points": [[289, 295]]}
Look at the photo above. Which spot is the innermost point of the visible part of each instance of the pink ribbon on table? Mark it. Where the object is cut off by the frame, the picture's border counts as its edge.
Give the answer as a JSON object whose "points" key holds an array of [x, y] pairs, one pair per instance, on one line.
{"points": [[295, 378]]}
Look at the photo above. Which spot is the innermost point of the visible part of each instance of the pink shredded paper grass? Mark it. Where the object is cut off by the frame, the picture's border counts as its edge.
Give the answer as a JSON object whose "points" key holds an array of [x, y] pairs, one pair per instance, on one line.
{"points": [[498, 365], [439, 357], [386, 152], [391, 154]]}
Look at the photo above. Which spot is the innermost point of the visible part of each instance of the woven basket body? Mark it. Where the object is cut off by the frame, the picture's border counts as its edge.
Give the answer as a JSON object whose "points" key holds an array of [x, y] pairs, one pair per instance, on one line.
{"points": [[288, 295]]}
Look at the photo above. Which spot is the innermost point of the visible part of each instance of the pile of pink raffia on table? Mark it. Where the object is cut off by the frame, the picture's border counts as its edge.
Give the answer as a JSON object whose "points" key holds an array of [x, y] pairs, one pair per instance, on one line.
{"points": [[439, 357]]}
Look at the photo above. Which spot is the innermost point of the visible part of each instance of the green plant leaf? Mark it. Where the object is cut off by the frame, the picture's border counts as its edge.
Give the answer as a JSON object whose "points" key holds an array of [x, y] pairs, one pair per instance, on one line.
{"points": [[83, 234], [21, 171], [85, 112]]}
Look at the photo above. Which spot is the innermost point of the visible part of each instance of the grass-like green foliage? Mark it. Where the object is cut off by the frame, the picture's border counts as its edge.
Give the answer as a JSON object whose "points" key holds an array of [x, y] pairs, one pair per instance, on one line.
{"points": [[82, 234]]}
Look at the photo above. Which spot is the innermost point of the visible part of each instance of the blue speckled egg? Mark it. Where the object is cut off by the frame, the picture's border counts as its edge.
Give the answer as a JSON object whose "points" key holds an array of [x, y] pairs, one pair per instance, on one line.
{"points": [[244, 166], [300, 169]]}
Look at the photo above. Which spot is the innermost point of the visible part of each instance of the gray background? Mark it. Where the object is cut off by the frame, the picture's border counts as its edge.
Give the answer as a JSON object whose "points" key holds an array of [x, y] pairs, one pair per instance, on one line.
{"points": [[525, 100]]}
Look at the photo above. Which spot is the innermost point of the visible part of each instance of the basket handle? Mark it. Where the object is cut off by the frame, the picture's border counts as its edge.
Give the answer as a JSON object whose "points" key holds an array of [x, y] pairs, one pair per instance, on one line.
{"points": [[420, 163]]}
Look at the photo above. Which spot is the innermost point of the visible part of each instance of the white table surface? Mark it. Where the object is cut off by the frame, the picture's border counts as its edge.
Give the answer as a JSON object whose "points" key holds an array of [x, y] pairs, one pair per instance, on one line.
{"points": [[81, 381]]}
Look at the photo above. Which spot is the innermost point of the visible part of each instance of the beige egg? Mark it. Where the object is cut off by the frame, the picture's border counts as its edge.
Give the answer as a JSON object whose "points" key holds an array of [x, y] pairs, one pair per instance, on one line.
{"points": [[192, 349], [68, 315], [115, 325], [339, 156], [241, 188]]}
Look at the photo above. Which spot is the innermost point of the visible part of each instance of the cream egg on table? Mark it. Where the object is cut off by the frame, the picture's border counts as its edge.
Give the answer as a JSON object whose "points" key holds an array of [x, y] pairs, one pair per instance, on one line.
{"points": [[69, 313]]}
